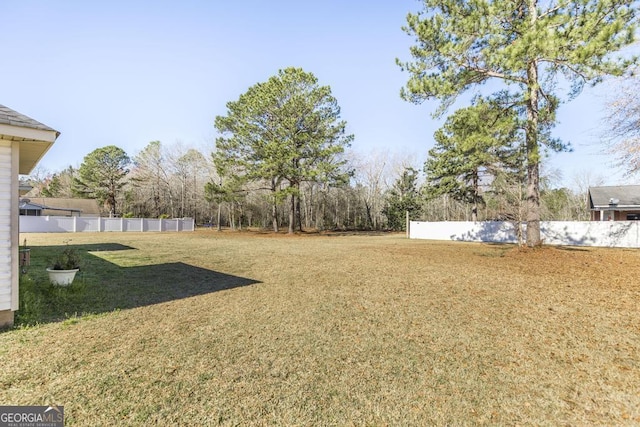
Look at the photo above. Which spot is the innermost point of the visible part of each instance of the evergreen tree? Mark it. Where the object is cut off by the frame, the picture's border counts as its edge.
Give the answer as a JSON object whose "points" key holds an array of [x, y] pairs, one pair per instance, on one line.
{"points": [[286, 129], [101, 175], [403, 197], [527, 45], [53, 188], [60, 184], [472, 146], [226, 191]]}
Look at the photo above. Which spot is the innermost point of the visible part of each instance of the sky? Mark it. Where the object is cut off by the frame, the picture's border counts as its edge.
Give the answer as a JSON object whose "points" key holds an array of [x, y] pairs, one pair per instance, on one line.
{"points": [[126, 73]]}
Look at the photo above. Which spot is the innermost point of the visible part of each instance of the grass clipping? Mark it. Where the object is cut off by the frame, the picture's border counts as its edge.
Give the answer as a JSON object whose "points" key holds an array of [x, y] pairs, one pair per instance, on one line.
{"points": [[245, 329]]}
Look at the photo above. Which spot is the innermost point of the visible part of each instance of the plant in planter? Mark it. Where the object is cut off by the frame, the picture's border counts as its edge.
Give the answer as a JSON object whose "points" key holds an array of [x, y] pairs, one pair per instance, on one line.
{"points": [[64, 267]]}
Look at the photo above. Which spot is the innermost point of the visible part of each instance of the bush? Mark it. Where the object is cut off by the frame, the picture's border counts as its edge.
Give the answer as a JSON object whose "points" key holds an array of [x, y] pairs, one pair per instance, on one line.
{"points": [[67, 259]]}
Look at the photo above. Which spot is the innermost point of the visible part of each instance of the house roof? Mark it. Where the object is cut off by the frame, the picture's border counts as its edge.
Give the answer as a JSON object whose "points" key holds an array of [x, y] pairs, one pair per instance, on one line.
{"points": [[13, 118], [85, 206], [614, 197], [27, 205], [34, 137]]}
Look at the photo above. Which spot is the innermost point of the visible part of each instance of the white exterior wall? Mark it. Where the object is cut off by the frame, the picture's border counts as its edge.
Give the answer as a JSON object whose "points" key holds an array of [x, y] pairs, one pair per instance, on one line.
{"points": [[8, 225], [618, 234]]}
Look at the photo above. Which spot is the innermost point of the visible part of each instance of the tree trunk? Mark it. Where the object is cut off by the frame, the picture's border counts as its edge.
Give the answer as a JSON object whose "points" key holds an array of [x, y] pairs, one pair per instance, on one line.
{"points": [[232, 216], [298, 211], [292, 214], [308, 210], [476, 196], [347, 222], [111, 203], [219, 216], [171, 202], [274, 215], [367, 208], [533, 150], [323, 212], [274, 205]]}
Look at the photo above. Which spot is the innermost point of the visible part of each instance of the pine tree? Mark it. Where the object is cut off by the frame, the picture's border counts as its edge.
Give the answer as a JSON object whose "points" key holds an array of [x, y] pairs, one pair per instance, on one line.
{"points": [[403, 197], [474, 144], [285, 130], [101, 175], [527, 46]]}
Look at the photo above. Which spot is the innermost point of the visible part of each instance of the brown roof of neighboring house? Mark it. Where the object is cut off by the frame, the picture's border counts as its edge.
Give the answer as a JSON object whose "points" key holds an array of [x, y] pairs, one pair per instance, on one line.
{"points": [[85, 206]]}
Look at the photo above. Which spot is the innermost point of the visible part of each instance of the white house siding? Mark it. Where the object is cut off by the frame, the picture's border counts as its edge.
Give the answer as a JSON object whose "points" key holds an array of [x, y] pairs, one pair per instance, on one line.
{"points": [[6, 247]]}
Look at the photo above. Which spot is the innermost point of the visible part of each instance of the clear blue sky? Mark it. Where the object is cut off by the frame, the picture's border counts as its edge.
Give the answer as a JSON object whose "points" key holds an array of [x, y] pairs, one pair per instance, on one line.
{"points": [[127, 73]]}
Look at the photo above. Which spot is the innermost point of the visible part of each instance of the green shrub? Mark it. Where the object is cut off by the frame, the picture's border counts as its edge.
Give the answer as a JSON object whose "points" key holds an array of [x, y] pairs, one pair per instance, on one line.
{"points": [[67, 259]]}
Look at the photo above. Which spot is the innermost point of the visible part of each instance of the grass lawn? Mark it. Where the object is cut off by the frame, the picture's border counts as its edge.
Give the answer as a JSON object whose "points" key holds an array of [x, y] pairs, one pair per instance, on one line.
{"points": [[255, 329]]}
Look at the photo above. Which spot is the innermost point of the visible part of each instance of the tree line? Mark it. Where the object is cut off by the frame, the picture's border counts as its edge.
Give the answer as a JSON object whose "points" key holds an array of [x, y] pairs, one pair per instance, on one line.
{"points": [[282, 157], [170, 181]]}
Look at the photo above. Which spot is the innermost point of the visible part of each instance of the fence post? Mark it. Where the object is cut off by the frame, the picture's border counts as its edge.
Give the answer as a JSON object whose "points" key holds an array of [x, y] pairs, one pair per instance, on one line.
{"points": [[408, 224]]}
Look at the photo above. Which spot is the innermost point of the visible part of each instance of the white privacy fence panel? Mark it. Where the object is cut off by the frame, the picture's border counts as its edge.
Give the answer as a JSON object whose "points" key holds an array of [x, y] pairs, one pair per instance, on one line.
{"points": [[619, 234], [82, 224], [153, 225], [112, 224], [77, 224]]}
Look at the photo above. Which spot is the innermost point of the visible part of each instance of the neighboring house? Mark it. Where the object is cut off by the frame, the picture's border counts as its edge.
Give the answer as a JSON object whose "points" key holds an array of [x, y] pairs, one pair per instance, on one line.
{"points": [[23, 142], [30, 209], [615, 203], [39, 206]]}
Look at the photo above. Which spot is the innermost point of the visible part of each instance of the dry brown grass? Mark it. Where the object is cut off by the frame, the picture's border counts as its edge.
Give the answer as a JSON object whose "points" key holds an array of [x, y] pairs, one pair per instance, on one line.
{"points": [[343, 330]]}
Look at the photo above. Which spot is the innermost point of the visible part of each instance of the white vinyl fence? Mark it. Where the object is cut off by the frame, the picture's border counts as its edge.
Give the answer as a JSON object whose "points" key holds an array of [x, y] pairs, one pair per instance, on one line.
{"points": [[78, 224], [615, 234]]}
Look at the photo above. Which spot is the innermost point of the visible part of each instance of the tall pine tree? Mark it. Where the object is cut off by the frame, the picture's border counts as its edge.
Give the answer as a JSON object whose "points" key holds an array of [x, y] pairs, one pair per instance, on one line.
{"points": [[102, 176], [528, 46], [286, 130]]}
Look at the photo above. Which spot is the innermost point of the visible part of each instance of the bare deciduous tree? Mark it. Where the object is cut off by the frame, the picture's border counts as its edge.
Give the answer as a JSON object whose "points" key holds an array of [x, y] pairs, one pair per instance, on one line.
{"points": [[622, 122]]}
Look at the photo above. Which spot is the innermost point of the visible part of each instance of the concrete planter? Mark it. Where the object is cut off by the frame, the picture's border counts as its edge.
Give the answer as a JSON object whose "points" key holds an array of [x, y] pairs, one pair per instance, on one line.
{"points": [[62, 277]]}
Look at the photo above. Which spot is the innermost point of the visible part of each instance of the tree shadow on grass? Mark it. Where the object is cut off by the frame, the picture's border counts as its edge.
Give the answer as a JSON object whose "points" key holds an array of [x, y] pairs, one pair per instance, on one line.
{"points": [[102, 286]]}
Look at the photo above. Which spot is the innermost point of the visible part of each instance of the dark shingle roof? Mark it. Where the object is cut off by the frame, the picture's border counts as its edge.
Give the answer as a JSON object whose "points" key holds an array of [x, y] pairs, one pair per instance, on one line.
{"points": [[13, 118], [624, 195]]}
